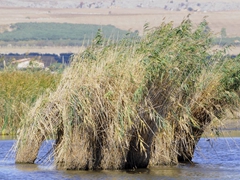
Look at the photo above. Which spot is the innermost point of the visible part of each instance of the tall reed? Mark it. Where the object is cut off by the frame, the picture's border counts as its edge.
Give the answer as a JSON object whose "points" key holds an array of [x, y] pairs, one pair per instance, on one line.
{"points": [[18, 92], [134, 103]]}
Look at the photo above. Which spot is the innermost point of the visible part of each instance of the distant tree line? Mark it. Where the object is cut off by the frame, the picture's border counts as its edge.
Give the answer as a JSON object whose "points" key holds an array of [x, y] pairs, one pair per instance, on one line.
{"points": [[67, 34], [57, 34]]}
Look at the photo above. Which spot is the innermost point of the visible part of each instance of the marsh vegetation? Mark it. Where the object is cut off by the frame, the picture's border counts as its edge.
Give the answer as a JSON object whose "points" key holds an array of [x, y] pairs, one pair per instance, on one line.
{"points": [[134, 103], [18, 93]]}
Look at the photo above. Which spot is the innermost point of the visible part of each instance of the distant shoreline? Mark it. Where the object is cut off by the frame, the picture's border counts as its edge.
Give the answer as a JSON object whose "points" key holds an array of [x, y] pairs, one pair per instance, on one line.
{"points": [[70, 49], [43, 50]]}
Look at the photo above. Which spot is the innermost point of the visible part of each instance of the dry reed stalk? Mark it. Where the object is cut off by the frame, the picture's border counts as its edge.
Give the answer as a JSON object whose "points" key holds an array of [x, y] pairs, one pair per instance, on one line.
{"points": [[120, 105], [98, 98], [188, 121]]}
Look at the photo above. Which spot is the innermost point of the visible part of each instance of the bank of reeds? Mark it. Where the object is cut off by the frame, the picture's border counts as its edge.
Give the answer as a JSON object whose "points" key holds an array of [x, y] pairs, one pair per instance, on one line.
{"points": [[134, 103], [18, 92]]}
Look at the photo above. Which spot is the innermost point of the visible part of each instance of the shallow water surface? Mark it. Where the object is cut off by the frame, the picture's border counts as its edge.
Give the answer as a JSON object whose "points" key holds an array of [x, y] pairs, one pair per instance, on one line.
{"points": [[214, 159]]}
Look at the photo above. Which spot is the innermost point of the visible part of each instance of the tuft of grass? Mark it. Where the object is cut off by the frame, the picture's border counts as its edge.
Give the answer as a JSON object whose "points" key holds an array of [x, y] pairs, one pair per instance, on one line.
{"points": [[134, 103]]}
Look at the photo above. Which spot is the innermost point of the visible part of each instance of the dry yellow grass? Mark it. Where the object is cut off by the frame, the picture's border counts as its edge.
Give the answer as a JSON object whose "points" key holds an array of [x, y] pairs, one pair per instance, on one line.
{"points": [[125, 105]]}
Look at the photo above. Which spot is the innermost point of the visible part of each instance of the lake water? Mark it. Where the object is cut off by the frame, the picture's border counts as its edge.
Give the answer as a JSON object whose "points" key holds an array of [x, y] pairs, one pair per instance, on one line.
{"points": [[214, 159]]}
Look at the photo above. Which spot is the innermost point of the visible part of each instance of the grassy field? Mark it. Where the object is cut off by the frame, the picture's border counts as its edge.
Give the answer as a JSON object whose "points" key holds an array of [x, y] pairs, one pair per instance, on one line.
{"points": [[19, 91], [61, 34], [126, 19]]}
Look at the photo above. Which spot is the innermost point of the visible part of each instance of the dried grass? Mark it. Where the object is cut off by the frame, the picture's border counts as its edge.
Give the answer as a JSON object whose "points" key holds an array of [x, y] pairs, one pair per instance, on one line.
{"points": [[133, 103]]}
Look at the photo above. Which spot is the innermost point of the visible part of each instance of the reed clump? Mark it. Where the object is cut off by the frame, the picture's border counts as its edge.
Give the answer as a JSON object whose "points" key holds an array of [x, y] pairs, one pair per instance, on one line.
{"points": [[134, 103], [18, 92]]}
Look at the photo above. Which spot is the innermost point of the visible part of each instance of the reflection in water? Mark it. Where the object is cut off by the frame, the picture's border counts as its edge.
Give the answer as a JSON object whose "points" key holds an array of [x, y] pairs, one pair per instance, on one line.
{"points": [[214, 158]]}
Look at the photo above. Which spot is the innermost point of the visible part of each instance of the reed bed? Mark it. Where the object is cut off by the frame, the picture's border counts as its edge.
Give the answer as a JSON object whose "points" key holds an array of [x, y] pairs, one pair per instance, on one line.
{"points": [[134, 103], [18, 92]]}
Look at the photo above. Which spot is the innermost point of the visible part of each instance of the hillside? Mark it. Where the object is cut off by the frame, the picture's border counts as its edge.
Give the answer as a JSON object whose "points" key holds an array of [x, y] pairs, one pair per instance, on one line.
{"points": [[177, 5]]}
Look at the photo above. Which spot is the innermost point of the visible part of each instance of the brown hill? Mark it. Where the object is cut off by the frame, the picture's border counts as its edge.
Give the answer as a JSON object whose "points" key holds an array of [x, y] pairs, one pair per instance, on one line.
{"points": [[127, 15]]}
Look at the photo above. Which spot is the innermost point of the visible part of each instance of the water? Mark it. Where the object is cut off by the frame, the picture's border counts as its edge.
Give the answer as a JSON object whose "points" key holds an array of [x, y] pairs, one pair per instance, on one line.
{"points": [[214, 159]]}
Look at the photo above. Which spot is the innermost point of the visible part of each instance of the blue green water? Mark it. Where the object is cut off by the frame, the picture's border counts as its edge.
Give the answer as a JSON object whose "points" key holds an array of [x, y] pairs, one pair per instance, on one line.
{"points": [[214, 159]]}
